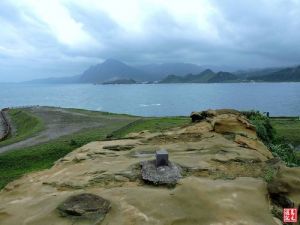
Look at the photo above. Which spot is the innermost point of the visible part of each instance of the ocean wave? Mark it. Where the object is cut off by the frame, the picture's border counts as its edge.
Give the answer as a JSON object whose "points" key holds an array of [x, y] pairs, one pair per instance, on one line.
{"points": [[148, 105]]}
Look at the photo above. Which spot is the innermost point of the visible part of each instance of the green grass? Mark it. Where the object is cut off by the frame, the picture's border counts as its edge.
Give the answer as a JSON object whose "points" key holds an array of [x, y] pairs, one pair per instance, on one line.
{"points": [[14, 164], [26, 126], [289, 129], [298, 155], [152, 125]]}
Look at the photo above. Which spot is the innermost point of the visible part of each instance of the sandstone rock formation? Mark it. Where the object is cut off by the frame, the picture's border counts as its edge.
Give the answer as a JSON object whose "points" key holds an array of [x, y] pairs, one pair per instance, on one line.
{"points": [[222, 163]]}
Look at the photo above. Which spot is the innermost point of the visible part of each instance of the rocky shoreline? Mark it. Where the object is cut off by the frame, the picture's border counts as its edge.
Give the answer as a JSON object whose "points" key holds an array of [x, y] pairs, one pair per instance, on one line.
{"points": [[223, 164]]}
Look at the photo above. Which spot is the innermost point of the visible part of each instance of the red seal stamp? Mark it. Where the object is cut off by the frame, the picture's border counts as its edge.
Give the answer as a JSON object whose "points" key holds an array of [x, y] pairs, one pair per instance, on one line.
{"points": [[290, 215]]}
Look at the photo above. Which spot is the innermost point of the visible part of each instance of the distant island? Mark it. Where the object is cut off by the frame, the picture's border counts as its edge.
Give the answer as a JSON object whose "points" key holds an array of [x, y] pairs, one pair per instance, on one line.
{"points": [[121, 81], [113, 71]]}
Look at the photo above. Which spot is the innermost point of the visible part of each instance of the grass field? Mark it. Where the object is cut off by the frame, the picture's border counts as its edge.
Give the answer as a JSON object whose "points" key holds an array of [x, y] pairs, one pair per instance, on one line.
{"points": [[27, 125], [14, 164], [152, 125], [288, 129]]}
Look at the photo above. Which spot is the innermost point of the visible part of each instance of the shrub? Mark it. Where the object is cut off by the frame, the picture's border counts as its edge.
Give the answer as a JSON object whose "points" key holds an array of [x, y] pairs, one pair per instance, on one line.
{"points": [[285, 153], [263, 126], [266, 133], [73, 143], [269, 174]]}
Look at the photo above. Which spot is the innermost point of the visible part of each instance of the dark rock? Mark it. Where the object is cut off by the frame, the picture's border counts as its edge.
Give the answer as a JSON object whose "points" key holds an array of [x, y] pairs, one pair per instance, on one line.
{"points": [[109, 136], [168, 175], [119, 147], [282, 200], [85, 206], [197, 116]]}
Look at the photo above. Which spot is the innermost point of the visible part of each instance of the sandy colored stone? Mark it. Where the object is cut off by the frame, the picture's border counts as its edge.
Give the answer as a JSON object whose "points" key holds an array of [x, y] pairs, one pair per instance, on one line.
{"points": [[80, 156], [194, 201], [254, 144], [229, 123], [201, 127], [287, 182]]}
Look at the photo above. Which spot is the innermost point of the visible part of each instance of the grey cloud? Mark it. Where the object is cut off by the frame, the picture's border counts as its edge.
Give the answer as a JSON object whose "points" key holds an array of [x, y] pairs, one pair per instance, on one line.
{"points": [[265, 28], [251, 34]]}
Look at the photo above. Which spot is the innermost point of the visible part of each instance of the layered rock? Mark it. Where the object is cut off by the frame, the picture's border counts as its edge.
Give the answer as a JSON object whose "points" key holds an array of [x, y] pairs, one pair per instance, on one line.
{"points": [[222, 162]]}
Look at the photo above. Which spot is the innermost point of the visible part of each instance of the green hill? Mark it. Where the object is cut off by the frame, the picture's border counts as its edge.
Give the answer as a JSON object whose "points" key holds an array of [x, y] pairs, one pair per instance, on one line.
{"points": [[284, 75], [207, 76]]}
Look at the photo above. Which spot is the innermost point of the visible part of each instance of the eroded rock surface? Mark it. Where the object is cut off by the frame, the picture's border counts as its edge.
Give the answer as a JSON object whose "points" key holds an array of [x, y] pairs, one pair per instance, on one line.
{"points": [[222, 163], [85, 206]]}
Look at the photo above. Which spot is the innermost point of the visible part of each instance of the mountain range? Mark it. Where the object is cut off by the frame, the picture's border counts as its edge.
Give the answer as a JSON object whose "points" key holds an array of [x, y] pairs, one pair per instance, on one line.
{"points": [[114, 71], [283, 75]]}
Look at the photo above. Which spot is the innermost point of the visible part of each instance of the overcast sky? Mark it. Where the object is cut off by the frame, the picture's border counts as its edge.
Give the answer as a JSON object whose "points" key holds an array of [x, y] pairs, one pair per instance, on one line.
{"points": [[52, 38]]}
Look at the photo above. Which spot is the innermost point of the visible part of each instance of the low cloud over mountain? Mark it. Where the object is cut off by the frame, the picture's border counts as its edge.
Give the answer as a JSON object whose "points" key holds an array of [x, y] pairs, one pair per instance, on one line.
{"points": [[40, 39]]}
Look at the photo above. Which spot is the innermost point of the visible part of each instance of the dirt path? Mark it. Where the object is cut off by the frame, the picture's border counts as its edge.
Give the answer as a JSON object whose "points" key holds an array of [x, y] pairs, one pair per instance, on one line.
{"points": [[58, 122]]}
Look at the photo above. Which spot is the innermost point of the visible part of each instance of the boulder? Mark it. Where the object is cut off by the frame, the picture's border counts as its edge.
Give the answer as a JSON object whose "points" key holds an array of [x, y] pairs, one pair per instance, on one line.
{"points": [[197, 116], [85, 206]]}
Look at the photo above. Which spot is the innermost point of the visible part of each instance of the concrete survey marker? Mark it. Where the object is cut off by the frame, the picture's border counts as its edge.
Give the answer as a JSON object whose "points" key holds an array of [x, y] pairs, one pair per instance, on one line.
{"points": [[162, 158]]}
